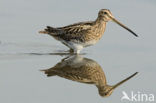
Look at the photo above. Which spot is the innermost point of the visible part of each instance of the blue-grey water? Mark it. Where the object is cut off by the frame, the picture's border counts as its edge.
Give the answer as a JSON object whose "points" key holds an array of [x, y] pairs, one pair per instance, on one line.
{"points": [[24, 52]]}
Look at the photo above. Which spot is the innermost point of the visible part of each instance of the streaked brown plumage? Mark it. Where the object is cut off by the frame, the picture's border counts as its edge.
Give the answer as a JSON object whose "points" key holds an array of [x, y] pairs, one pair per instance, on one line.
{"points": [[84, 70], [83, 34]]}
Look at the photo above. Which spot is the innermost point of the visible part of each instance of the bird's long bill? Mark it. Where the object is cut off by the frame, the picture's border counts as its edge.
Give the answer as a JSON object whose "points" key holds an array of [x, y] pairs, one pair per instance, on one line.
{"points": [[122, 25], [118, 84]]}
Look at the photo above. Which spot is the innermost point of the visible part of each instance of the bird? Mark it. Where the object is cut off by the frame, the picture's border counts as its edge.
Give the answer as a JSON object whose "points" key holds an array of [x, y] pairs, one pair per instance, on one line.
{"points": [[83, 34], [84, 70]]}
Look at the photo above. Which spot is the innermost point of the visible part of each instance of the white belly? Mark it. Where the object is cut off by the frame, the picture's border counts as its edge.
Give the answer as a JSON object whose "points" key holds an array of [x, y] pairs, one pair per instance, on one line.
{"points": [[90, 43], [77, 47]]}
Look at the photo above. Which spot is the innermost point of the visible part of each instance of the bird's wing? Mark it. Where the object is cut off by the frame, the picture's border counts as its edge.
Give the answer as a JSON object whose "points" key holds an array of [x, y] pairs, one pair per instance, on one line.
{"points": [[75, 31], [70, 73], [70, 32], [85, 73]]}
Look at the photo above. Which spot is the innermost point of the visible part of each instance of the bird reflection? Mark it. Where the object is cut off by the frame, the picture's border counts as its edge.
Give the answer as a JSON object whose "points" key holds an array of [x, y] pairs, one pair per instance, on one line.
{"points": [[84, 70]]}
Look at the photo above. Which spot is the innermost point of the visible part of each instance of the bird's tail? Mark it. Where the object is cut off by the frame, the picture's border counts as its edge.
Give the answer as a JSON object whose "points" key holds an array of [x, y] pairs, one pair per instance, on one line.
{"points": [[49, 72], [49, 30]]}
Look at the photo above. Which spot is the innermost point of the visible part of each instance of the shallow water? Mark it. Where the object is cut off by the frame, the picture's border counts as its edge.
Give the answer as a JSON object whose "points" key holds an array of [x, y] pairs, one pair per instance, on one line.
{"points": [[23, 52]]}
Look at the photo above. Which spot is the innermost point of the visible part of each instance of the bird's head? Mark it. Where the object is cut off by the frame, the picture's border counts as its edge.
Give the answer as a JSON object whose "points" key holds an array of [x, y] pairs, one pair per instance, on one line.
{"points": [[106, 15], [107, 90]]}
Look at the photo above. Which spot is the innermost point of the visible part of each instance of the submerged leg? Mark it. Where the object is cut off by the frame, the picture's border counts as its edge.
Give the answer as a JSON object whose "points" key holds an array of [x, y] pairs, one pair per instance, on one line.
{"points": [[78, 52], [78, 48]]}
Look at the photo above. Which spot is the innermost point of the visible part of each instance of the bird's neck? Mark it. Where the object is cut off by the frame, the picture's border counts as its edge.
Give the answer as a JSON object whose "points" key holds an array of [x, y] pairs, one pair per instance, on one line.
{"points": [[100, 26], [100, 20]]}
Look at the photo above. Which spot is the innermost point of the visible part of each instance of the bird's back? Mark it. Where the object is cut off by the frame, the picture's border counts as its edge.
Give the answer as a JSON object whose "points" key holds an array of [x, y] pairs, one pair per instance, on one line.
{"points": [[82, 31]]}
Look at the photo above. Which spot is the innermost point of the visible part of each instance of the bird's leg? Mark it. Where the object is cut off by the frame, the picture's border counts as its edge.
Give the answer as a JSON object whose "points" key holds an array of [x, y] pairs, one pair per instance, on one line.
{"points": [[78, 48], [65, 58], [77, 51]]}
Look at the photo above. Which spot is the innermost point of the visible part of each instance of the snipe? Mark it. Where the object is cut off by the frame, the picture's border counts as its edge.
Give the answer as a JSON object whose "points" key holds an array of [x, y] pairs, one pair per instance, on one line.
{"points": [[83, 34]]}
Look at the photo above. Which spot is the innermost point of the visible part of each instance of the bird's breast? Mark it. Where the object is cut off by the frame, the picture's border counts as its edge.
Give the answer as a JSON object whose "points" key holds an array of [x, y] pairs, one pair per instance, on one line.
{"points": [[96, 32]]}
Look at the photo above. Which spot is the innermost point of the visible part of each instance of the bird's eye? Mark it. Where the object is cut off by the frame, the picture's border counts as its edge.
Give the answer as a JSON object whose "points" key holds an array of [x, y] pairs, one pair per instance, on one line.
{"points": [[105, 12], [105, 93]]}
